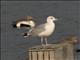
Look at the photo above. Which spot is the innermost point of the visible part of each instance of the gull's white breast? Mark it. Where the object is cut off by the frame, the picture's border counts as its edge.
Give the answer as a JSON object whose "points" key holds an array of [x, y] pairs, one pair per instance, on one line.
{"points": [[49, 28]]}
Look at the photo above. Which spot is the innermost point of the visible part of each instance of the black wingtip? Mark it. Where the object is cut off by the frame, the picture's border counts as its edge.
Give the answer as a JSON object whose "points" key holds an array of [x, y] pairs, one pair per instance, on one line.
{"points": [[14, 25], [78, 50]]}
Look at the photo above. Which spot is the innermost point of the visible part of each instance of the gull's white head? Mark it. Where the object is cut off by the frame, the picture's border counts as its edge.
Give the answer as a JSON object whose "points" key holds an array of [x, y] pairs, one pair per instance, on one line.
{"points": [[51, 19]]}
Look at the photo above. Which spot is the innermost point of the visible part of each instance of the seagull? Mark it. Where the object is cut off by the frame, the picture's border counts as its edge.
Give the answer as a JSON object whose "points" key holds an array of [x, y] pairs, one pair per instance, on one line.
{"points": [[26, 21], [43, 30]]}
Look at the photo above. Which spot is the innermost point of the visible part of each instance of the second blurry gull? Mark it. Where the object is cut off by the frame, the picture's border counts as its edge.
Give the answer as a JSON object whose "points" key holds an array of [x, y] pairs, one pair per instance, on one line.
{"points": [[43, 30], [26, 21]]}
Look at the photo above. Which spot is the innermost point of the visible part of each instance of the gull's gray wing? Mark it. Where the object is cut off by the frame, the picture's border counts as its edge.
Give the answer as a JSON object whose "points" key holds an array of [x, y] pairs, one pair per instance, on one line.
{"points": [[38, 29]]}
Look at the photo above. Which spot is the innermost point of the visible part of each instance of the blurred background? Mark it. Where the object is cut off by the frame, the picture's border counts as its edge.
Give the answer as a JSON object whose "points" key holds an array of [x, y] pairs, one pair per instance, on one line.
{"points": [[14, 46]]}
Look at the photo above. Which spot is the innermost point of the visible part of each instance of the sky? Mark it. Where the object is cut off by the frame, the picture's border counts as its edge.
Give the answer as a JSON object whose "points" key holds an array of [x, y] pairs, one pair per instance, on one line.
{"points": [[14, 46]]}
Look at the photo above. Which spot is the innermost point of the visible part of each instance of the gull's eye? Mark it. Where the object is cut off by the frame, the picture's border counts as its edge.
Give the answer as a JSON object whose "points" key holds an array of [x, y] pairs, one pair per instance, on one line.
{"points": [[51, 18]]}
